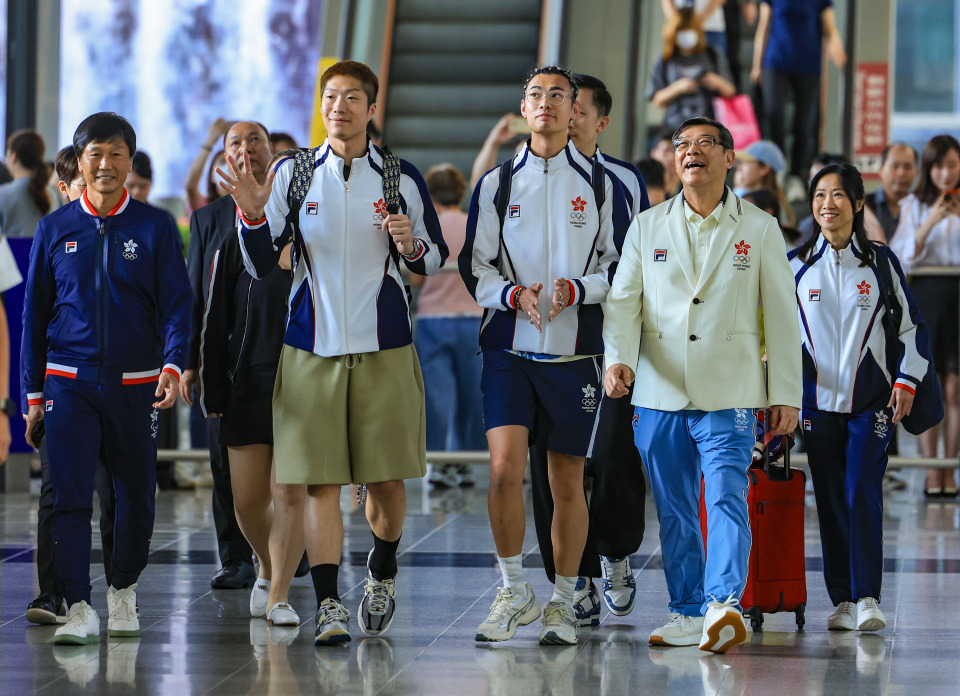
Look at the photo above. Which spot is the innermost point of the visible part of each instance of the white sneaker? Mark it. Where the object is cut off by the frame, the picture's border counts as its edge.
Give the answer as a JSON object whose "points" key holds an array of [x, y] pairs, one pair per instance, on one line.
{"points": [[82, 627], [508, 611], [332, 620], [282, 614], [442, 476], [619, 585], [844, 618], [559, 625], [869, 616], [122, 620], [723, 626], [586, 603], [259, 596], [678, 631]]}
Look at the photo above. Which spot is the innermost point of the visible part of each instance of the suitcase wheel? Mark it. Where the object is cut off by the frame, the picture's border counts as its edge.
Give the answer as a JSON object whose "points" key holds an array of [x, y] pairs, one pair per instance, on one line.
{"points": [[800, 616], [756, 618]]}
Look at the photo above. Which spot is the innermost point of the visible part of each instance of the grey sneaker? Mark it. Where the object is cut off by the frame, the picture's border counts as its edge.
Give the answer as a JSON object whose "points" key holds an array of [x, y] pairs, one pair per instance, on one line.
{"points": [[508, 611], [378, 604], [332, 619], [844, 618]]}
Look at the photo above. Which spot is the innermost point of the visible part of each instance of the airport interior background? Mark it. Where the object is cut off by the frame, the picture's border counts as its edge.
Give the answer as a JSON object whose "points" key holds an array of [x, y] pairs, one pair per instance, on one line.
{"points": [[449, 70]]}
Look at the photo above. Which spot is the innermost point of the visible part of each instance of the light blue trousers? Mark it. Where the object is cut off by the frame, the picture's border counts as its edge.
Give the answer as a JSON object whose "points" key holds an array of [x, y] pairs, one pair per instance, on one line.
{"points": [[677, 448]]}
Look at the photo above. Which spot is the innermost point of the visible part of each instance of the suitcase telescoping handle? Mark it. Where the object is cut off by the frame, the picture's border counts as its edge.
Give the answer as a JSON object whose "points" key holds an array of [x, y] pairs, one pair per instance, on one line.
{"points": [[785, 444]]}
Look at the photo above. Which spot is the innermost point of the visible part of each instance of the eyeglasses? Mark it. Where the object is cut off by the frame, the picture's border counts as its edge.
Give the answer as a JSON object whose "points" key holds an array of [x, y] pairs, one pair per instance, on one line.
{"points": [[554, 97], [704, 142]]}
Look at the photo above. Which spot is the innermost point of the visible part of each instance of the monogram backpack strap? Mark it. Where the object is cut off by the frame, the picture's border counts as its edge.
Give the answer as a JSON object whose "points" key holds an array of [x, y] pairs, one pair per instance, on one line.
{"points": [[391, 181], [303, 168]]}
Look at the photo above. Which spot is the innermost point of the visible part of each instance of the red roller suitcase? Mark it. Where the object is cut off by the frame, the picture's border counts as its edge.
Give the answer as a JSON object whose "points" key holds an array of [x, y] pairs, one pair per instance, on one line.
{"points": [[777, 579]]}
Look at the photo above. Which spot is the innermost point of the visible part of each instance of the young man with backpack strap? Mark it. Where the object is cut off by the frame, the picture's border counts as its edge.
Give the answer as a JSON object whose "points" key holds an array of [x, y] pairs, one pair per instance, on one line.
{"points": [[348, 401], [541, 276]]}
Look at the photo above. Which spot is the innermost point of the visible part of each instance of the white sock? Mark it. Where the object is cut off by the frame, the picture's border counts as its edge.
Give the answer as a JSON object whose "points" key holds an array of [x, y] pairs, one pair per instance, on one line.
{"points": [[512, 571], [563, 588]]}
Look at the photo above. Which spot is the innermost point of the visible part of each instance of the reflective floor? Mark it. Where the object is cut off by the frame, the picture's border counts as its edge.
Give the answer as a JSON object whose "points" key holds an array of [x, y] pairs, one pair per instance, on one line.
{"points": [[199, 641]]}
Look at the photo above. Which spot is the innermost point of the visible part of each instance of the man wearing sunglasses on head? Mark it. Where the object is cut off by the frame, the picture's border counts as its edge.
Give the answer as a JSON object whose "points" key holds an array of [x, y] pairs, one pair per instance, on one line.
{"points": [[690, 283]]}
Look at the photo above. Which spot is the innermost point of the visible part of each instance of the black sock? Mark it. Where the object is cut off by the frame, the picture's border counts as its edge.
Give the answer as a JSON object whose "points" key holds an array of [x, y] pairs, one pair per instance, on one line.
{"points": [[383, 560], [325, 581]]}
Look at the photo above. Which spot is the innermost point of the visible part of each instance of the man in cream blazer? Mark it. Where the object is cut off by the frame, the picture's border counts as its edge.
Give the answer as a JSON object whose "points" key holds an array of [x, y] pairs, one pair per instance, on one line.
{"points": [[683, 320]]}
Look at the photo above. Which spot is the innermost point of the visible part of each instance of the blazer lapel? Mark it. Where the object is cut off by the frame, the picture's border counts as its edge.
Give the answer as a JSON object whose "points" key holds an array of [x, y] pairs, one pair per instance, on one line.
{"points": [[679, 239], [721, 246]]}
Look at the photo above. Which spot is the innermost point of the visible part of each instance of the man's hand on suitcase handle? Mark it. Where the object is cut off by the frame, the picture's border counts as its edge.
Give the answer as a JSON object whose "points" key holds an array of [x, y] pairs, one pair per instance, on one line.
{"points": [[783, 420]]}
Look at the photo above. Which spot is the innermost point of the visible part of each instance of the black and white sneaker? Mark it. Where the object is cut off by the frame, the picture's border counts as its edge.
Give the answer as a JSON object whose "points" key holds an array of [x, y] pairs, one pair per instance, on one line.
{"points": [[332, 618], [378, 604]]}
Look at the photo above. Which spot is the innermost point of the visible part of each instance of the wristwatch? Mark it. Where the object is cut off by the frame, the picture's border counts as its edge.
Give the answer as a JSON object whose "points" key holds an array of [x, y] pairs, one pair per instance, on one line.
{"points": [[9, 407]]}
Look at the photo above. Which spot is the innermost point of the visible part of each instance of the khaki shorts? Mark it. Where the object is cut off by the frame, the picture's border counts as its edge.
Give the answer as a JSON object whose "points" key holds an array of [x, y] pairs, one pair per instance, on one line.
{"points": [[349, 419]]}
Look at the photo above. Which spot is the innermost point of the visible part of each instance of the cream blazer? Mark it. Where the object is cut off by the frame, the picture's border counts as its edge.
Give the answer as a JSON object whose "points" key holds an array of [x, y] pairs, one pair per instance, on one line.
{"points": [[699, 343]]}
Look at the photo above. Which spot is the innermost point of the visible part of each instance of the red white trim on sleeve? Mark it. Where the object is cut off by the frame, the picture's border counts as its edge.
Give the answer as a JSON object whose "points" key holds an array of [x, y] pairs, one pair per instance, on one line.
{"points": [[419, 250], [512, 298], [252, 224], [906, 386], [35, 399], [61, 370], [573, 294], [173, 370], [144, 377]]}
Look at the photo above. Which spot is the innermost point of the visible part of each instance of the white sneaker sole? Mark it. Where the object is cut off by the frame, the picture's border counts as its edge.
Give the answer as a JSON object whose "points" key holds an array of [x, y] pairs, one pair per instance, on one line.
{"points": [[123, 632], [724, 633], [874, 624], [529, 614], [676, 642], [551, 637], [71, 639]]}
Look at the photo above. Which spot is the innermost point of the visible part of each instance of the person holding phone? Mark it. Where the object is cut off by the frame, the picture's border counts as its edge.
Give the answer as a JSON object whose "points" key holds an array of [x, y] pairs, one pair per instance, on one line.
{"points": [[929, 235]]}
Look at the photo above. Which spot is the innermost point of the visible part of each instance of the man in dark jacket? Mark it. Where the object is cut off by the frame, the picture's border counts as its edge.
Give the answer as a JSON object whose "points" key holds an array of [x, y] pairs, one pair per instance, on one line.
{"points": [[208, 227], [106, 321]]}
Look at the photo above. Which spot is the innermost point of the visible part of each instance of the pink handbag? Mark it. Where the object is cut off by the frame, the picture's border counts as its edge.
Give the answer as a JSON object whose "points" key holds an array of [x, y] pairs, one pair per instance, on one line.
{"points": [[737, 114]]}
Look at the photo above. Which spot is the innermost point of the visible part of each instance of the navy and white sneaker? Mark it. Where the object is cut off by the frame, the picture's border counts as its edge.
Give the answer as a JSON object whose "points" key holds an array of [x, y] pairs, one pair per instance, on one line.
{"points": [[586, 602], [619, 585], [378, 604]]}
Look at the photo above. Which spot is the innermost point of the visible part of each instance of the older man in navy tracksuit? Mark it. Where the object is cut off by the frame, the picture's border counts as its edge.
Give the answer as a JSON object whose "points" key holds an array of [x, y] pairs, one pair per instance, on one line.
{"points": [[106, 322]]}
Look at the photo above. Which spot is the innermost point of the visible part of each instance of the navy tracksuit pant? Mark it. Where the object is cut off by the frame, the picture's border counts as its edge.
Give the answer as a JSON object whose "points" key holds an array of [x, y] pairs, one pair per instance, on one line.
{"points": [[86, 421], [847, 453]]}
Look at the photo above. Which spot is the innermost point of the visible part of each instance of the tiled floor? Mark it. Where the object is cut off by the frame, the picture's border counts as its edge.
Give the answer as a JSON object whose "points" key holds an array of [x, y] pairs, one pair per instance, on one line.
{"points": [[198, 641]]}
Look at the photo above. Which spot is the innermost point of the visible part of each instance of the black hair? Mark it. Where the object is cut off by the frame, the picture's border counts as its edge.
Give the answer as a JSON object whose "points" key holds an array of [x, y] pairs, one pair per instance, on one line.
{"points": [[103, 127], [825, 158], [66, 165], [29, 147], [726, 138], [445, 184], [256, 123], [553, 70], [280, 135], [602, 98], [891, 146], [652, 172], [934, 151], [142, 166], [852, 184]]}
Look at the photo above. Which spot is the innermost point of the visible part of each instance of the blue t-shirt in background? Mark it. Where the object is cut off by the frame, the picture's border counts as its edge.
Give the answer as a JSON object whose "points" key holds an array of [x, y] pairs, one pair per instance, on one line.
{"points": [[795, 44]]}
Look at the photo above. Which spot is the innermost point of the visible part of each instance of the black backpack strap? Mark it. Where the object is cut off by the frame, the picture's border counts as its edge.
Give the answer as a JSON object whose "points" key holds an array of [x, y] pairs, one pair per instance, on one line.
{"points": [[503, 193], [304, 163], [599, 184], [894, 314]]}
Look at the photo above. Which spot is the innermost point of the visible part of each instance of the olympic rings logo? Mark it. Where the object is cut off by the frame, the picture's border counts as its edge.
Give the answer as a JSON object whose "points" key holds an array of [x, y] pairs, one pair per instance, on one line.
{"points": [[377, 217], [579, 217], [741, 258]]}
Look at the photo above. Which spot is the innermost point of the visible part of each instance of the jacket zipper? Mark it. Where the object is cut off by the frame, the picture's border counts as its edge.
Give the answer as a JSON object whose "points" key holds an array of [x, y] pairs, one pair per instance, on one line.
{"points": [[838, 268], [243, 339], [343, 256], [102, 254], [546, 246]]}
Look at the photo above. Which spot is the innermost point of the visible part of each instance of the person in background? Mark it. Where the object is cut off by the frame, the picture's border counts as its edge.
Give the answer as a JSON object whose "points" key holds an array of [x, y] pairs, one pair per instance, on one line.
{"points": [[757, 167], [898, 172], [662, 152], [654, 177], [767, 201], [850, 406], [140, 179], [196, 199], [711, 15], [447, 319], [787, 53], [689, 74], [24, 200], [929, 235], [505, 131], [282, 141]]}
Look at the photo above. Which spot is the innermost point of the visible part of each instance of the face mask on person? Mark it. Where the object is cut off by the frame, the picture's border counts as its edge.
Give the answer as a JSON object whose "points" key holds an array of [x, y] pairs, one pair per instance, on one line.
{"points": [[687, 39]]}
